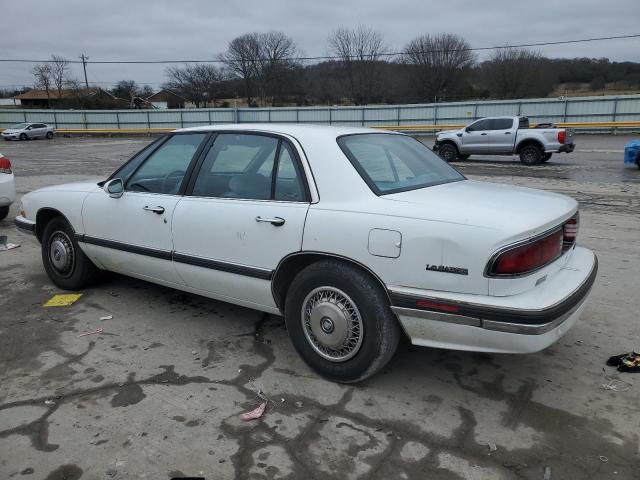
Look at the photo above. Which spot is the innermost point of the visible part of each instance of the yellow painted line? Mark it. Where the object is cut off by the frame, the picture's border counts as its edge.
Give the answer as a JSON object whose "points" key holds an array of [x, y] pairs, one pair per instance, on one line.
{"points": [[62, 300]]}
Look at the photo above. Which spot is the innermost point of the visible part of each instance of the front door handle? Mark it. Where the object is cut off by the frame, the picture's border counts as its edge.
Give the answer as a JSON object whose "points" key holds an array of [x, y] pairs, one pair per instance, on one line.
{"points": [[275, 221], [159, 210], [507, 133], [483, 134]]}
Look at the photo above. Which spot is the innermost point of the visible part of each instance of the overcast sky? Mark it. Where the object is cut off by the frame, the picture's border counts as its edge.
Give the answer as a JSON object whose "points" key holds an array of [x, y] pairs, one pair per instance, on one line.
{"points": [[190, 29]]}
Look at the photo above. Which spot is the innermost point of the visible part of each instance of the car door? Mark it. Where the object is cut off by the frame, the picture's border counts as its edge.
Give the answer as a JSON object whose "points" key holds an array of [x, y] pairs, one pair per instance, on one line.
{"points": [[40, 130], [245, 211], [132, 234], [501, 135], [475, 138]]}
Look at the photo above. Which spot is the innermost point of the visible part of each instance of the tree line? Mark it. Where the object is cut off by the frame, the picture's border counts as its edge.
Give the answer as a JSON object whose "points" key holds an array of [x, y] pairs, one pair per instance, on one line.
{"points": [[269, 69]]}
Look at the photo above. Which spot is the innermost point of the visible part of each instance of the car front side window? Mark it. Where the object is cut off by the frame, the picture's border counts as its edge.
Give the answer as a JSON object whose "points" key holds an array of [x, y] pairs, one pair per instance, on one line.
{"points": [[165, 169]]}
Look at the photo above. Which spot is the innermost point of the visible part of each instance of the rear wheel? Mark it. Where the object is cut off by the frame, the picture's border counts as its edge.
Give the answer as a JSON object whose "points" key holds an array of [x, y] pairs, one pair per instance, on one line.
{"points": [[448, 152], [340, 321], [49, 135], [530, 155], [463, 156], [546, 157], [4, 211], [65, 263], [23, 136]]}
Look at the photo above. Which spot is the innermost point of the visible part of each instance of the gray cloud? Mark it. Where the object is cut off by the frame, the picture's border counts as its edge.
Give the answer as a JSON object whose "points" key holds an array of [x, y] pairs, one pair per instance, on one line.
{"points": [[191, 29]]}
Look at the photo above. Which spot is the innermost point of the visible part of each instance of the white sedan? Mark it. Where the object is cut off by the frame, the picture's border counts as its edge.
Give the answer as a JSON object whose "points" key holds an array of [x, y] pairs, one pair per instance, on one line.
{"points": [[355, 236], [7, 186]]}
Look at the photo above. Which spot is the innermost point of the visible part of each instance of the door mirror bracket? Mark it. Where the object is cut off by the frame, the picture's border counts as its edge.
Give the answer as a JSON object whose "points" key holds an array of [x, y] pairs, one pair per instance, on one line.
{"points": [[115, 188]]}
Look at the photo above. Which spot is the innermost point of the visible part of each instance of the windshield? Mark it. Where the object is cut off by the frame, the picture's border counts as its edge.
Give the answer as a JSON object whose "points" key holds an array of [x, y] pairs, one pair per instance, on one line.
{"points": [[19, 126], [392, 163]]}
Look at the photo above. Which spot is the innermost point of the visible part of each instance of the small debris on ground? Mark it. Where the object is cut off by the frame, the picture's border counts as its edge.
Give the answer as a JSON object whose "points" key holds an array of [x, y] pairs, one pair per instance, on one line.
{"points": [[106, 317], [603, 459], [63, 300], [492, 447], [547, 473], [255, 413], [93, 332], [6, 246], [299, 404], [48, 401]]}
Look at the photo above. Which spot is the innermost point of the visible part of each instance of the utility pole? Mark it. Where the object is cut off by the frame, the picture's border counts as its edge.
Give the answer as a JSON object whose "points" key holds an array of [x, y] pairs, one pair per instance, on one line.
{"points": [[84, 66]]}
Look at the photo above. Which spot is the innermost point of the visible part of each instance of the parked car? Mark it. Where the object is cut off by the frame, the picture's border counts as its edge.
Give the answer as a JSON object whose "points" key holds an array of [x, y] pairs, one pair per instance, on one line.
{"points": [[354, 235], [7, 186], [504, 136], [28, 131]]}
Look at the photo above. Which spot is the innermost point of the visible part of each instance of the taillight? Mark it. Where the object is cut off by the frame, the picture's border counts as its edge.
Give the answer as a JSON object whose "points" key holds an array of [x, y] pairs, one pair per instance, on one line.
{"points": [[562, 136], [5, 164], [531, 256], [570, 231]]}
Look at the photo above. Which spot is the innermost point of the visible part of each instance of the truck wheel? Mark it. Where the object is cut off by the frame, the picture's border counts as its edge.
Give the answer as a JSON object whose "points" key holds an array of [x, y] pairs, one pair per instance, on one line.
{"points": [[546, 157], [4, 211], [65, 263], [340, 321], [463, 156], [448, 152], [530, 155]]}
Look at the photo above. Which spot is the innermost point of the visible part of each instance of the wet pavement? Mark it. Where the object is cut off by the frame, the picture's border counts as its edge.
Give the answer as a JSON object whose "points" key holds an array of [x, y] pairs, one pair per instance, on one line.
{"points": [[159, 392]]}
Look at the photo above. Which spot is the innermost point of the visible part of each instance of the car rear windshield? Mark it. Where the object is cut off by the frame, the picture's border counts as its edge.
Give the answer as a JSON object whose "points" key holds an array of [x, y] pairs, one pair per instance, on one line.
{"points": [[391, 163]]}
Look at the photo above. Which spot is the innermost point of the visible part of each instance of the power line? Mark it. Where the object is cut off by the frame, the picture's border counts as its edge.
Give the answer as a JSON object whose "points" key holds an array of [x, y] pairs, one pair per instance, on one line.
{"points": [[84, 60]]}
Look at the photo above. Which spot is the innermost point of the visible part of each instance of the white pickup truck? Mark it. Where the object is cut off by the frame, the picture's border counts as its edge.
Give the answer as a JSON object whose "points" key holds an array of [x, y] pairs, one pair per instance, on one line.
{"points": [[504, 136]]}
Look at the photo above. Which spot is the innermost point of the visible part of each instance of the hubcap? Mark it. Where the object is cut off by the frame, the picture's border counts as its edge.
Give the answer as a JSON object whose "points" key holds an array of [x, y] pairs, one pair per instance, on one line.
{"points": [[61, 253], [332, 324]]}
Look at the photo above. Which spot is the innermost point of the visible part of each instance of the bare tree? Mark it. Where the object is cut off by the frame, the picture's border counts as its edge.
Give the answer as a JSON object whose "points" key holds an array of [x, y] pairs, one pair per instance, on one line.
{"points": [[360, 50], [516, 73], [199, 83], [59, 73], [42, 74], [127, 90], [438, 64], [260, 60]]}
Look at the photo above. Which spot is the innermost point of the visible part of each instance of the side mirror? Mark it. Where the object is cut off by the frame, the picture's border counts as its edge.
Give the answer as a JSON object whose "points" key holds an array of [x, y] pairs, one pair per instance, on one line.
{"points": [[468, 129], [115, 188]]}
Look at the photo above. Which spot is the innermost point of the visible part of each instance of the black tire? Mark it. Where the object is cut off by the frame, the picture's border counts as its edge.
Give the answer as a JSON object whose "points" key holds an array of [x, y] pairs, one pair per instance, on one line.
{"points": [[49, 135], [73, 271], [23, 136], [463, 156], [334, 289], [530, 155], [4, 211], [546, 157], [448, 152]]}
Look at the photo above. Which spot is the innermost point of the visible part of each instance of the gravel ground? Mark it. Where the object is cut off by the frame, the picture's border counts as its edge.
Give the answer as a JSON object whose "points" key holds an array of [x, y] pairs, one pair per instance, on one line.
{"points": [[158, 394]]}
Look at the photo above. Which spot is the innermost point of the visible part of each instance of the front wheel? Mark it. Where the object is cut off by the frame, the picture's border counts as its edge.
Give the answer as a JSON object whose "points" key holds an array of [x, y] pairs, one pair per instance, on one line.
{"points": [[4, 211], [340, 321], [530, 155], [65, 263], [463, 156], [23, 136], [448, 152]]}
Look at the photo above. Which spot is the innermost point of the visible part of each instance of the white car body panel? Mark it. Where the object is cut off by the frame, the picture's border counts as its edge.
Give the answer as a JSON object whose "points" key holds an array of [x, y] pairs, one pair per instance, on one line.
{"points": [[215, 247], [7, 189]]}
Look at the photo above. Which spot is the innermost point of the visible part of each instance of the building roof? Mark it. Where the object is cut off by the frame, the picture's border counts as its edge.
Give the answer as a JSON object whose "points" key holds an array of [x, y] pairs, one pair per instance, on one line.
{"points": [[163, 94], [39, 94]]}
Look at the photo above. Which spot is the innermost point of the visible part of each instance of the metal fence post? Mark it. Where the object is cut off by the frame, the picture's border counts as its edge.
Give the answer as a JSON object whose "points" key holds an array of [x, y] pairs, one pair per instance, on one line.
{"points": [[209, 115], [118, 119], [615, 114], [435, 114], [362, 116], [55, 119], [269, 115], [148, 121], [330, 116], [475, 111], [398, 114], [297, 114], [566, 106], [181, 120]]}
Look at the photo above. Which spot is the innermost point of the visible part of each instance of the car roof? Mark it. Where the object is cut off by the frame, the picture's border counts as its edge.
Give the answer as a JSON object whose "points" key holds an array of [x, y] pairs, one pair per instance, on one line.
{"points": [[292, 129]]}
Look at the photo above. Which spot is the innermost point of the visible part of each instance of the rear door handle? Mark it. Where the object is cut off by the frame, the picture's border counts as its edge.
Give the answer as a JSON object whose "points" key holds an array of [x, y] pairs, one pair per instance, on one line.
{"points": [[507, 133], [275, 221], [159, 210], [483, 134]]}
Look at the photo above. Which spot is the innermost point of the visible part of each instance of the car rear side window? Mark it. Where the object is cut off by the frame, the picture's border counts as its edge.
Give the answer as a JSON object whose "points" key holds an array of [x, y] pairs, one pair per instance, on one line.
{"points": [[391, 163], [501, 124]]}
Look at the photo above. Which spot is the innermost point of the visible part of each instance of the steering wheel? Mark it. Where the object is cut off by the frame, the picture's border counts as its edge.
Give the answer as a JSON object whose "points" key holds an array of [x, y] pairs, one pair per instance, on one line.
{"points": [[166, 178]]}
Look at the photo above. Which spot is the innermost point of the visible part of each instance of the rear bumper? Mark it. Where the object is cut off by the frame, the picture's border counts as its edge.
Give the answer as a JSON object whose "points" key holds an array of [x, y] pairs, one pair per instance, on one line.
{"points": [[504, 328], [567, 148]]}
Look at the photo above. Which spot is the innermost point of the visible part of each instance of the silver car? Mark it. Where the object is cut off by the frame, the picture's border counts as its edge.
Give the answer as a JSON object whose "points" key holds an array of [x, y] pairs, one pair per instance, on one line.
{"points": [[27, 131]]}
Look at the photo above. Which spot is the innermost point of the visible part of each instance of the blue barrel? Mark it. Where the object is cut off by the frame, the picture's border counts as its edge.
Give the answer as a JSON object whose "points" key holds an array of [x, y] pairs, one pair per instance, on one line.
{"points": [[632, 153]]}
